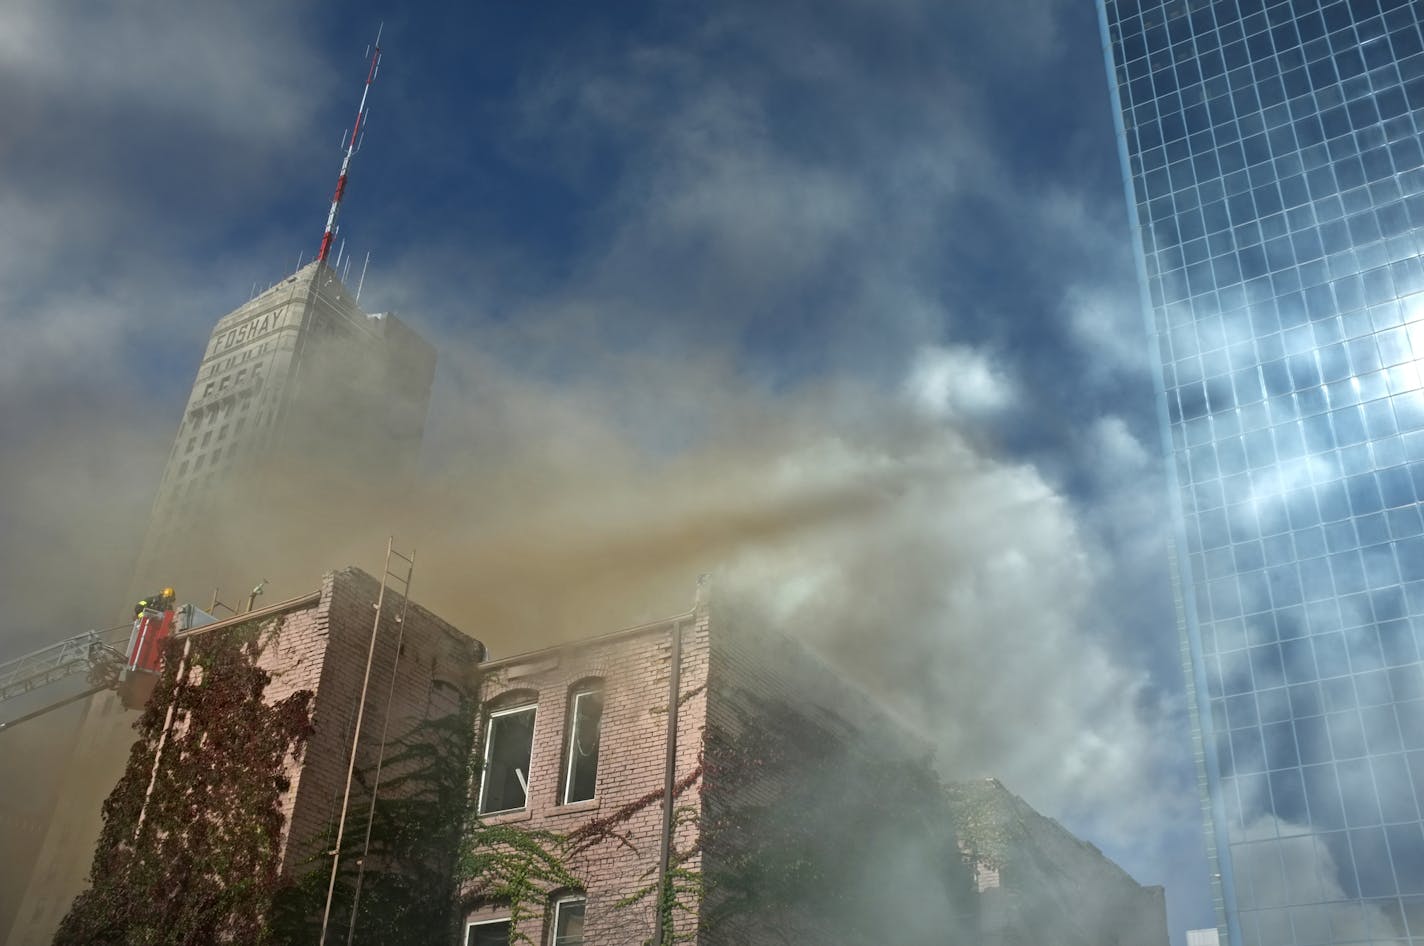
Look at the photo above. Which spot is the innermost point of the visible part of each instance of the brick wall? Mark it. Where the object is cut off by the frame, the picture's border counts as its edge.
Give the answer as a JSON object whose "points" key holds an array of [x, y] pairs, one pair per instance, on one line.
{"points": [[731, 678], [1051, 886], [634, 667], [814, 800], [325, 649], [319, 646]]}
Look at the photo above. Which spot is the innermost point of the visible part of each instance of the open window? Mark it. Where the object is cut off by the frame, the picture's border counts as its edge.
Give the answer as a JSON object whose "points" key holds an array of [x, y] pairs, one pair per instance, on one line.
{"points": [[509, 740], [585, 727], [487, 933], [567, 928]]}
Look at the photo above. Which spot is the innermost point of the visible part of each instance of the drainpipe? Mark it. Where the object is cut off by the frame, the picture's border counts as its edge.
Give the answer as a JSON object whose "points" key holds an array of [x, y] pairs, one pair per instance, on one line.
{"points": [[669, 780]]}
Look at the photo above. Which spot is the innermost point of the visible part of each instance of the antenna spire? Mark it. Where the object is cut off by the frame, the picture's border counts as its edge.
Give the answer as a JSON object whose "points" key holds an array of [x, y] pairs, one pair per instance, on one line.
{"points": [[351, 144]]}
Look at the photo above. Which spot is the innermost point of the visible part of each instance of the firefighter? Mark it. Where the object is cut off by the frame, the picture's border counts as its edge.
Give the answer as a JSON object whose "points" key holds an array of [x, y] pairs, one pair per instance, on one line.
{"points": [[159, 602]]}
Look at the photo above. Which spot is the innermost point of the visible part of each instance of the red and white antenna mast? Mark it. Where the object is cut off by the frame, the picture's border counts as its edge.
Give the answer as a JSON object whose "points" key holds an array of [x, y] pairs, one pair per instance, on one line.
{"points": [[352, 144]]}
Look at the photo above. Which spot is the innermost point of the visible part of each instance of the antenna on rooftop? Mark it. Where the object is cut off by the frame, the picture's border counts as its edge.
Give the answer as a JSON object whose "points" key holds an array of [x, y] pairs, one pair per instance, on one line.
{"points": [[363, 275], [352, 140]]}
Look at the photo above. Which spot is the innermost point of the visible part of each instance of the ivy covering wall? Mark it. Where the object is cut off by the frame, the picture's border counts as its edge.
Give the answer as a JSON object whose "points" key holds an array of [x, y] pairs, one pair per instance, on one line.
{"points": [[406, 876], [194, 860]]}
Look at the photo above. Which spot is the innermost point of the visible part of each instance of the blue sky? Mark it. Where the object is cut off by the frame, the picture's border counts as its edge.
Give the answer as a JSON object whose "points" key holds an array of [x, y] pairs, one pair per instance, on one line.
{"points": [[693, 271]]}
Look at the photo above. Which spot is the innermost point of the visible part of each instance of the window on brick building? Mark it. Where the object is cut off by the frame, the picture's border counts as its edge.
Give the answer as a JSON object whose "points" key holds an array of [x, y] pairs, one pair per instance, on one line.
{"points": [[585, 727], [487, 933], [568, 922], [508, 744]]}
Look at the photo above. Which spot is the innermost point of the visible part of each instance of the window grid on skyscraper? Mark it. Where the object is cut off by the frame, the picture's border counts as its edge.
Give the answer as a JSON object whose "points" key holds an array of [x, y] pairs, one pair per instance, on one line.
{"points": [[1272, 152]]}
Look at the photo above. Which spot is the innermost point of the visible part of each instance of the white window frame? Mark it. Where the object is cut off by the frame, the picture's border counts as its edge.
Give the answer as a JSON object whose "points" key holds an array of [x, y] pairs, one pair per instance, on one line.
{"points": [[489, 744], [573, 744], [559, 904], [471, 924]]}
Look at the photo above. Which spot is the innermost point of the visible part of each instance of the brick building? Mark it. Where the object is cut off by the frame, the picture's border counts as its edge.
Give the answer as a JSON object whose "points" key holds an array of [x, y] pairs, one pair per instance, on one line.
{"points": [[317, 642], [1020, 875], [799, 812], [696, 779]]}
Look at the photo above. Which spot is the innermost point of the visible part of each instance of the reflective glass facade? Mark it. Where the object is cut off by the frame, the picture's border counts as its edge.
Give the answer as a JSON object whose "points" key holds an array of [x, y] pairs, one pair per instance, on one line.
{"points": [[1276, 184]]}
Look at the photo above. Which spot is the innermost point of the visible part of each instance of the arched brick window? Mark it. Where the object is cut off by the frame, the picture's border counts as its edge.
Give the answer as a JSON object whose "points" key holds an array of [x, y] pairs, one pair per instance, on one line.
{"points": [[508, 744], [584, 729]]}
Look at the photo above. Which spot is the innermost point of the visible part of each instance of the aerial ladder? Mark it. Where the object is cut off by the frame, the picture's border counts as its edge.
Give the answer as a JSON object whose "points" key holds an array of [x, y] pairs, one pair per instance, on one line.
{"points": [[126, 658]]}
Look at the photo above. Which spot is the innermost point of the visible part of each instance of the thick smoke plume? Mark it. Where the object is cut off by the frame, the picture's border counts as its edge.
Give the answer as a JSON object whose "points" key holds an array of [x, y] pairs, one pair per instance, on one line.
{"points": [[793, 342]]}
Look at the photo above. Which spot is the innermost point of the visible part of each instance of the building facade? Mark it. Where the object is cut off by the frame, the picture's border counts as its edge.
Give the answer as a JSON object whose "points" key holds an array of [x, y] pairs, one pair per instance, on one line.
{"points": [[299, 394], [1275, 184], [776, 804], [1023, 899], [316, 643], [697, 779]]}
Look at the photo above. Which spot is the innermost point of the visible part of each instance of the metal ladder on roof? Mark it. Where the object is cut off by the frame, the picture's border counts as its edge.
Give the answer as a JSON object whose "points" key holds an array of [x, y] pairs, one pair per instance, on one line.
{"points": [[388, 578]]}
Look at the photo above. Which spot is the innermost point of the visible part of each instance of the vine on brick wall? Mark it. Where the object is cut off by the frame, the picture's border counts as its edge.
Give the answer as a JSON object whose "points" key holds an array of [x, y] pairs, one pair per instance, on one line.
{"points": [[195, 861], [986, 833], [520, 867], [787, 801], [406, 882], [806, 827]]}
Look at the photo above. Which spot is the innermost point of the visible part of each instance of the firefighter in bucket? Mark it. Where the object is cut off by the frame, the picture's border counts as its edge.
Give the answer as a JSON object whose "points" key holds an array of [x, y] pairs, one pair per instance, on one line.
{"points": [[153, 623]]}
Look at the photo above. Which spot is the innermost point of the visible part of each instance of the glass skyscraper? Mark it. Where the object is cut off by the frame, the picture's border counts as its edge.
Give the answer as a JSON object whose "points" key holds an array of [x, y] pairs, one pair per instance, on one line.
{"points": [[1275, 181]]}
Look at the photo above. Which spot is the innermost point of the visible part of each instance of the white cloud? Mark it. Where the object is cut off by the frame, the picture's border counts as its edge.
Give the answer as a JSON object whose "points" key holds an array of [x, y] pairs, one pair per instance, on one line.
{"points": [[956, 381], [222, 66]]}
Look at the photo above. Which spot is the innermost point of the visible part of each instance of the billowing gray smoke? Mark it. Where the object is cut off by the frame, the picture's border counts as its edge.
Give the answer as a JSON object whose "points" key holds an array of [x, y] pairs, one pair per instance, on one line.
{"points": [[786, 346]]}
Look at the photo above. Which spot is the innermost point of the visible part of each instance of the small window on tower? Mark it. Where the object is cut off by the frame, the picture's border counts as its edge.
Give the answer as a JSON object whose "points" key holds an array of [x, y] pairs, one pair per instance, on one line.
{"points": [[508, 745], [585, 725]]}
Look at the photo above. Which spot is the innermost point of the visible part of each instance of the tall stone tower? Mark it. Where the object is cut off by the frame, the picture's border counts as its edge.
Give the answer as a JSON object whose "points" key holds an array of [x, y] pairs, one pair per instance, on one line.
{"points": [[301, 400]]}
